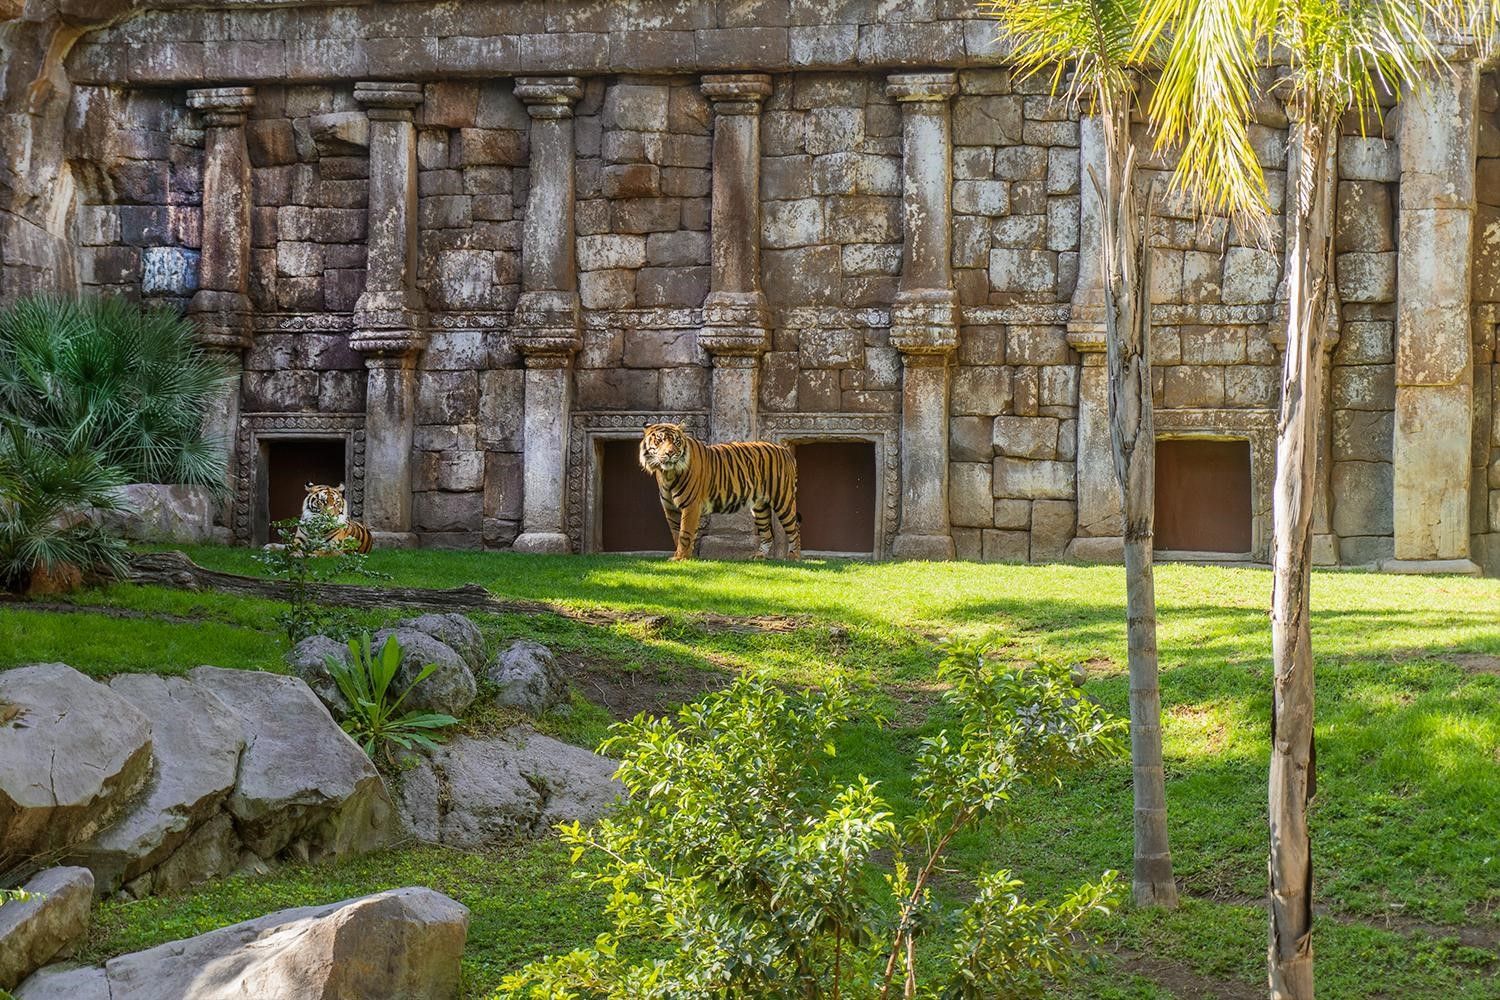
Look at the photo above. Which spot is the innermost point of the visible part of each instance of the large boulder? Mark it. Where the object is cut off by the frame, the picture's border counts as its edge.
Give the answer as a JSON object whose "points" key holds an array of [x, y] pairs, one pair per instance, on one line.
{"points": [[403, 945], [309, 661], [72, 754], [46, 926], [526, 677], [197, 742], [302, 782], [477, 792], [155, 512], [453, 630], [450, 689]]}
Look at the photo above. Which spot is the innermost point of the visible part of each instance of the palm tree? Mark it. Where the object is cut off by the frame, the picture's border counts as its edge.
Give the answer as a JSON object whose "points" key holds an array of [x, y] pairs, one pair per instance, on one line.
{"points": [[1099, 40], [1339, 57]]}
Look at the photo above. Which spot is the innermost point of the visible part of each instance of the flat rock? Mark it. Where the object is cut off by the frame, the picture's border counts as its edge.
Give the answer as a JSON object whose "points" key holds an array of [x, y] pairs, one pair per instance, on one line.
{"points": [[197, 742], [453, 630], [308, 660], [71, 758], [301, 779], [46, 926], [477, 792], [525, 676], [154, 512], [450, 689], [403, 945]]}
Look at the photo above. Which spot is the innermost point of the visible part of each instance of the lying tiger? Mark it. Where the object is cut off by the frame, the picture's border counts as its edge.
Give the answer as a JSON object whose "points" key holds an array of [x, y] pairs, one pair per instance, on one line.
{"points": [[347, 536], [695, 479]]}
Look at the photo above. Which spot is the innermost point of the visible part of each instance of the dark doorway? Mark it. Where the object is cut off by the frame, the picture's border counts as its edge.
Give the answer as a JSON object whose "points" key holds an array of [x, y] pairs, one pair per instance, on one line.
{"points": [[288, 465], [1203, 495], [630, 517], [836, 496]]}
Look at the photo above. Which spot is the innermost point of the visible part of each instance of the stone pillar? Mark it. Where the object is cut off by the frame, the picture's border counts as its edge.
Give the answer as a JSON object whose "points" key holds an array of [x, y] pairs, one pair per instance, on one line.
{"points": [[924, 316], [389, 323], [736, 320], [547, 320], [1434, 377], [1100, 514], [221, 306]]}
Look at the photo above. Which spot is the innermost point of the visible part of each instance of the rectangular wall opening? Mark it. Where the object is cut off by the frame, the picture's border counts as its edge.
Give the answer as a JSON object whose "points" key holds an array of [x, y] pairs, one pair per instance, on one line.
{"points": [[630, 516], [836, 496], [1203, 495], [287, 465]]}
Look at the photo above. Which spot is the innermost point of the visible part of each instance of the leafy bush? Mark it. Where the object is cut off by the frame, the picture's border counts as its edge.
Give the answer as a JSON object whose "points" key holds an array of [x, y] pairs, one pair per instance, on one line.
{"points": [[365, 682], [93, 394], [742, 864], [302, 564], [105, 376]]}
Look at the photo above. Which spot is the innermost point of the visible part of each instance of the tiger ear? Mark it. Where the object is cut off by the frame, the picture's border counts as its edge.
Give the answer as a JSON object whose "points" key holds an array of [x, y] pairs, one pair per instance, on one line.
{"points": [[340, 486], [311, 486]]}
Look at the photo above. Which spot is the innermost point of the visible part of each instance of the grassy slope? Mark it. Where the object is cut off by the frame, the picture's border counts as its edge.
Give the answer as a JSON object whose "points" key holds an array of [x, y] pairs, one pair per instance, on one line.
{"points": [[1407, 744]]}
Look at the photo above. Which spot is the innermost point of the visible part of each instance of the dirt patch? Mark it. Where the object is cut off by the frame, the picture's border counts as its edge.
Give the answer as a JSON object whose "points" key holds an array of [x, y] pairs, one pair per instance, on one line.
{"points": [[627, 693], [1478, 663], [57, 608], [1181, 981]]}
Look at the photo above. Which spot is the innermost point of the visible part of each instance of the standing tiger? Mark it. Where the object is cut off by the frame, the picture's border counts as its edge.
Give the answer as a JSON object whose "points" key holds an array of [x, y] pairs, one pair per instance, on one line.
{"points": [[696, 479], [330, 502]]}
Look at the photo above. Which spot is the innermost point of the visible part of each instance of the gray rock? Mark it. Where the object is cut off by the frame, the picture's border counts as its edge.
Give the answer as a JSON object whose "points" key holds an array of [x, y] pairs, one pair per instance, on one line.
{"points": [[526, 677], [155, 512], [478, 792], [307, 660], [450, 688], [404, 944], [72, 754], [455, 631], [302, 782], [47, 926], [197, 743]]}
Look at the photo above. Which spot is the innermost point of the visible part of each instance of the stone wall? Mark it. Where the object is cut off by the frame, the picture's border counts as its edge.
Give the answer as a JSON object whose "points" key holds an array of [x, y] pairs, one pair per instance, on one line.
{"points": [[1026, 472]]}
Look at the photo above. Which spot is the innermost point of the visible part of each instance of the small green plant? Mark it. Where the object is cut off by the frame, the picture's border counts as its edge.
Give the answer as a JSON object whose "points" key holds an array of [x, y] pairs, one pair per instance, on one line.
{"points": [[746, 870], [372, 719], [301, 564]]}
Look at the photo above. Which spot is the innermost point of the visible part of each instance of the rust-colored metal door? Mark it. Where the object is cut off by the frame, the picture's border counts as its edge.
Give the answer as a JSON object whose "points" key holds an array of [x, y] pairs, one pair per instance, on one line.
{"points": [[291, 464], [630, 517], [1202, 495], [836, 495]]}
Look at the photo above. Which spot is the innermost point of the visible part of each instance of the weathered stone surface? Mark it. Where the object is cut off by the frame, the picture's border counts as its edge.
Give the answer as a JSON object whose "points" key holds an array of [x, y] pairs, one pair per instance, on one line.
{"points": [[196, 741], [478, 792], [152, 512], [308, 660], [525, 676], [1052, 527], [450, 689], [301, 779], [48, 925], [1033, 480], [405, 944], [1362, 498], [453, 630], [1026, 437], [65, 772], [970, 497]]}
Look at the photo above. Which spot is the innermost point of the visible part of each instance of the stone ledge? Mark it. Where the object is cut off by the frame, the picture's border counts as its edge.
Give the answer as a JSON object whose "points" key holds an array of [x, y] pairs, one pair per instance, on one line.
{"points": [[1455, 567]]}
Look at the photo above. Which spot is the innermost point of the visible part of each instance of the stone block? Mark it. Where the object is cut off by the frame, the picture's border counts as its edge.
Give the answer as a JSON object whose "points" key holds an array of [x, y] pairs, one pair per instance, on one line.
{"points": [[299, 260], [882, 368], [1362, 435], [434, 510], [830, 348], [970, 439], [169, 271], [1362, 498], [638, 107], [1369, 158], [1037, 345], [1364, 387], [864, 219], [1012, 515], [1250, 276], [987, 120], [970, 499], [1366, 550], [465, 278], [822, 45], [988, 197], [271, 143], [803, 276], [871, 258], [792, 223], [613, 289], [483, 147], [661, 348], [679, 249], [1053, 524], [280, 391], [632, 180], [1022, 270], [778, 381], [981, 390], [1366, 277], [648, 215], [1365, 342], [455, 471], [671, 287], [1192, 386], [618, 389], [447, 397], [818, 391], [598, 253], [786, 178], [1025, 437], [684, 388], [833, 130], [502, 484], [984, 345], [1005, 546], [1026, 479], [1257, 386], [341, 392], [967, 544], [1365, 220], [1213, 345]]}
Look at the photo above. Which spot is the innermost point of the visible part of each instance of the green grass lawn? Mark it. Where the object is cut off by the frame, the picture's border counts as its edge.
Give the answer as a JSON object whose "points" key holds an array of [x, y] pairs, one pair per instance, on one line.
{"points": [[1406, 822]]}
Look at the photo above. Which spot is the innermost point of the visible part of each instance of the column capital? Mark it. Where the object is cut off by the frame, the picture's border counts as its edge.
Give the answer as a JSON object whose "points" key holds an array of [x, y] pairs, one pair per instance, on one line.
{"points": [[1086, 339], [388, 101], [735, 323], [934, 88], [736, 93], [547, 324], [223, 107], [924, 322], [549, 96]]}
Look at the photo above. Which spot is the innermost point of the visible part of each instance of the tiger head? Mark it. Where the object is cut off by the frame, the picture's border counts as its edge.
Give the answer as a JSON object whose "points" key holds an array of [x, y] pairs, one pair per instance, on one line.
{"points": [[324, 501], [664, 448]]}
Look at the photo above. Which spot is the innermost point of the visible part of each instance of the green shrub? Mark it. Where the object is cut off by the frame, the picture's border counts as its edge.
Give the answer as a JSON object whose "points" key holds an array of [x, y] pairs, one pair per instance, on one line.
{"points": [[103, 375], [301, 564], [365, 682], [740, 867]]}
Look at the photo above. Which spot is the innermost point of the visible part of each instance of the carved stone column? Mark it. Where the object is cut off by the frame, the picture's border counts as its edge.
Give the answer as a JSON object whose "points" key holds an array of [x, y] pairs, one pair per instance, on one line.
{"points": [[924, 316], [1434, 375], [221, 306], [547, 321], [736, 320], [389, 322]]}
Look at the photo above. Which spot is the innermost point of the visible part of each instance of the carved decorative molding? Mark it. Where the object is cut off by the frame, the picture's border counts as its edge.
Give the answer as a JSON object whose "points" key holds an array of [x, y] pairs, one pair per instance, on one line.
{"points": [[255, 427], [583, 477], [1258, 427], [883, 429]]}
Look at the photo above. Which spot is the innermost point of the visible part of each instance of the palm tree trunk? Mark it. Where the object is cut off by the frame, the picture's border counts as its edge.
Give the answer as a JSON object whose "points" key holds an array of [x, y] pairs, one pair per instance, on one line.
{"points": [[1133, 442], [1292, 783]]}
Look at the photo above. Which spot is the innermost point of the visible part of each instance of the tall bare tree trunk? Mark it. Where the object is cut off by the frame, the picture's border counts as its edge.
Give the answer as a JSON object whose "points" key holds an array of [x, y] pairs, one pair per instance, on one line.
{"points": [[1309, 310], [1127, 318]]}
